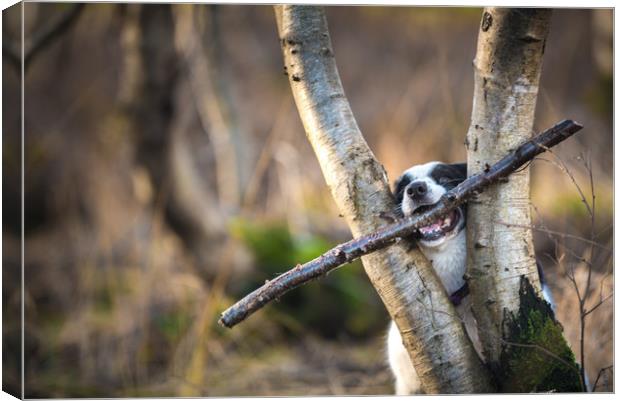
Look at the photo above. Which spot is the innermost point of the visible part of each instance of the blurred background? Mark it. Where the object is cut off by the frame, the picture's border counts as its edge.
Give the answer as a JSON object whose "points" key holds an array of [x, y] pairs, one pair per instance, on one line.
{"points": [[167, 174]]}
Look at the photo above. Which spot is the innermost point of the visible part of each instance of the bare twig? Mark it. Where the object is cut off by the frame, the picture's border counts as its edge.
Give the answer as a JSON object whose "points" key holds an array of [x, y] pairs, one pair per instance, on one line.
{"points": [[363, 245], [43, 37], [562, 166], [584, 294], [582, 306], [599, 303], [557, 233], [570, 273], [600, 373]]}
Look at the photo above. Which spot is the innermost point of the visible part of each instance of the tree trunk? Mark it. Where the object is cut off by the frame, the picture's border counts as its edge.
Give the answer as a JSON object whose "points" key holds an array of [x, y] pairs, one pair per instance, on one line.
{"points": [[502, 271], [443, 356]]}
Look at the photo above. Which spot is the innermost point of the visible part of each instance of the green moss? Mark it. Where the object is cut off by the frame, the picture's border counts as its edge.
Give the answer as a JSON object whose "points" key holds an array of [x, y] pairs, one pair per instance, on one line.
{"points": [[535, 356]]}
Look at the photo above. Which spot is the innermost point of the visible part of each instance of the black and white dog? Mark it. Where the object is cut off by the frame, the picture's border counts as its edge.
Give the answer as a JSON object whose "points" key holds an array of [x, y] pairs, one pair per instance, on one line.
{"points": [[444, 244]]}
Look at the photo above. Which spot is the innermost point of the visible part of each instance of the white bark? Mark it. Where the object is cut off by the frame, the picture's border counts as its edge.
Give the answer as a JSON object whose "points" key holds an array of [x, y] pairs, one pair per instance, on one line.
{"points": [[442, 354], [507, 69]]}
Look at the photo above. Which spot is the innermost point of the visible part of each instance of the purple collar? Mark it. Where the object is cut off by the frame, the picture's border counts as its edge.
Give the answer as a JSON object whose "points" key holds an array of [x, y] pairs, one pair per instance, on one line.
{"points": [[458, 296]]}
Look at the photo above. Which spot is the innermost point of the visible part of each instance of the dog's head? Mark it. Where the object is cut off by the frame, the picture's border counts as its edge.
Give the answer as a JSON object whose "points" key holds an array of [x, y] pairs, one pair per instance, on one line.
{"points": [[420, 187]]}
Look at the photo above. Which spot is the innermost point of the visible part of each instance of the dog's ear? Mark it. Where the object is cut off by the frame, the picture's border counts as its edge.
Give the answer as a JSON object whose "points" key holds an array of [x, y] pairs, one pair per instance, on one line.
{"points": [[461, 168]]}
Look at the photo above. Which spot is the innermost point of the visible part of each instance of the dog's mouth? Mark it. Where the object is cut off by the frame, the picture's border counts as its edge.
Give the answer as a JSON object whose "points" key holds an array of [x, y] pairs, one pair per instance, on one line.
{"points": [[441, 227]]}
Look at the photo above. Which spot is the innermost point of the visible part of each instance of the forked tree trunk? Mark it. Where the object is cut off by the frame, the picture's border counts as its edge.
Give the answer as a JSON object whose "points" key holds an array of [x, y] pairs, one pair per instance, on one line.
{"points": [[442, 353], [501, 263]]}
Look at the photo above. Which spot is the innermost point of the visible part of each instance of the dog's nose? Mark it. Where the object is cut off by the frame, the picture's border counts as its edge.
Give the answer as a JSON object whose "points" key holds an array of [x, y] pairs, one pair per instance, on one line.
{"points": [[417, 189]]}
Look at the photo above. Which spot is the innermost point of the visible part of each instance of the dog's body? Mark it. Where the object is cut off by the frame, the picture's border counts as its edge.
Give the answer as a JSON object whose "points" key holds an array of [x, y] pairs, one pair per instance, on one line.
{"points": [[444, 244]]}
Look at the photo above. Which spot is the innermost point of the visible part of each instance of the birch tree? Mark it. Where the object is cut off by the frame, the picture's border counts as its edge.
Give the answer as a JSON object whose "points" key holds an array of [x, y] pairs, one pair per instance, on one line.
{"points": [[502, 269]]}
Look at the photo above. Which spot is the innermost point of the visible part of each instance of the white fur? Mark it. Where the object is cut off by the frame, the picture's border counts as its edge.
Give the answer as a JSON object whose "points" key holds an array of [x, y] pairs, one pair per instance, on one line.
{"points": [[407, 380], [435, 191], [449, 260]]}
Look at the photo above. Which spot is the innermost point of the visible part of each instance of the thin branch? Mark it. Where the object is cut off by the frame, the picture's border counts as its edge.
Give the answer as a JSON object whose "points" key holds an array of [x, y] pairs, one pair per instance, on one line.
{"points": [[562, 166], [583, 313], [557, 233], [600, 373], [605, 229], [577, 257], [599, 303], [570, 273], [588, 165], [582, 298], [363, 245]]}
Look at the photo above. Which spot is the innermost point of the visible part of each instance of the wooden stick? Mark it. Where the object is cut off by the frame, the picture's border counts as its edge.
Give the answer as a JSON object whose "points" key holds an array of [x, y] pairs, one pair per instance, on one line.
{"points": [[351, 250]]}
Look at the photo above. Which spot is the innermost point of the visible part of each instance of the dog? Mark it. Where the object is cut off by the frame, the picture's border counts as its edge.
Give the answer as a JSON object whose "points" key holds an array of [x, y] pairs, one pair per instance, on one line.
{"points": [[444, 244]]}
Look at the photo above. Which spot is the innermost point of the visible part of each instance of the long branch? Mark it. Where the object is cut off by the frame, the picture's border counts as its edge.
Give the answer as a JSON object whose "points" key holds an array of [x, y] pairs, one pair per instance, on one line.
{"points": [[351, 250]]}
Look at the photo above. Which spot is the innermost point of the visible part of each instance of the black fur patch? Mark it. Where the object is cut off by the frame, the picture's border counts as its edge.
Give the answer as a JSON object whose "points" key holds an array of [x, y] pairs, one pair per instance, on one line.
{"points": [[399, 187], [449, 175]]}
